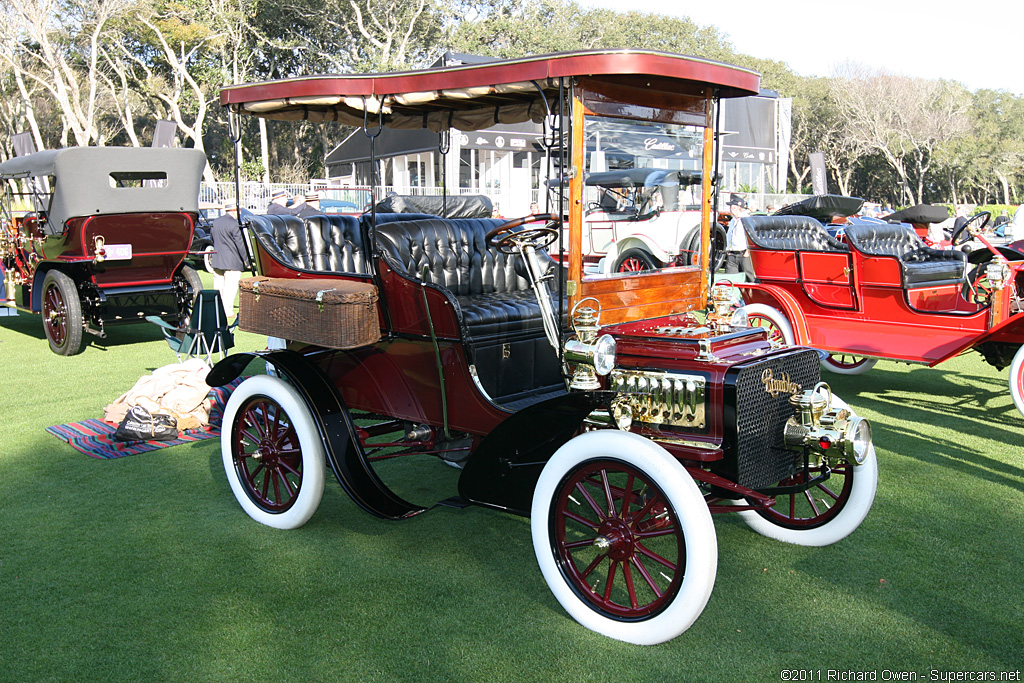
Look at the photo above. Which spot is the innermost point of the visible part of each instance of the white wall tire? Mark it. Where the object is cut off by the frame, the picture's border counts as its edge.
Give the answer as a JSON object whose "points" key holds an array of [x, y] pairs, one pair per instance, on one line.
{"points": [[1017, 379], [272, 452], [846, 504], [667, 517], [773, 320]]}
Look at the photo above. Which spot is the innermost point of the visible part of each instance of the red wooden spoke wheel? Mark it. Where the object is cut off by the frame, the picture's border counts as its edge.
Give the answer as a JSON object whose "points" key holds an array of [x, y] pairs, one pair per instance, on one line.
{"points": [[623, 537], [267, 455], [847, 364], [272, 452], [817, 505], [618, 541], [62, 314], [634, 261]]}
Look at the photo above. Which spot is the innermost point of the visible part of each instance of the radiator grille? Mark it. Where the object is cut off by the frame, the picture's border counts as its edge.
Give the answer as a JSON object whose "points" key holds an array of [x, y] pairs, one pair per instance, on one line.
{"points": [[761, 459]]}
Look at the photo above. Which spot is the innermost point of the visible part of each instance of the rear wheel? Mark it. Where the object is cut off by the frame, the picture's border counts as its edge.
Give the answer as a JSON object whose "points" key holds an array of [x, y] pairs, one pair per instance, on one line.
{"points": [[272, 452], [847, 364], [623, 537], [1017, 379], [208, 258], [772, 320], [187, 279], [62, 314], [634, 261]]}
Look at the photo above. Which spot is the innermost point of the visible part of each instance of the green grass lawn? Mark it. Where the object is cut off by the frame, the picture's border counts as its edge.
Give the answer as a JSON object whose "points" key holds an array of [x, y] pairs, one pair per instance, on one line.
{"points": [[146, 569]]}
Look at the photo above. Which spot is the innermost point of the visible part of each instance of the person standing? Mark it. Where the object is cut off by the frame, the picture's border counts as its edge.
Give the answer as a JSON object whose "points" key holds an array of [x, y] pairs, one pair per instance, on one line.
{"points": [[229, 256], [278, 203], [312, 207], [737, 258]]}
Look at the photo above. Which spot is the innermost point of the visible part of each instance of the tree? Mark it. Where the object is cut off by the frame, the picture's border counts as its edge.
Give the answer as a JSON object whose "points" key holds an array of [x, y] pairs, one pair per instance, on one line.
{"points": [[56, 44], [903, 119]]}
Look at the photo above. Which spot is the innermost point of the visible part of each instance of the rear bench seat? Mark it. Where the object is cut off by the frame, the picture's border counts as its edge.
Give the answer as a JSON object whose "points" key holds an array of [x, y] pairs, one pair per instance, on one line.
{"points": [[790, 233], [921, 265]]}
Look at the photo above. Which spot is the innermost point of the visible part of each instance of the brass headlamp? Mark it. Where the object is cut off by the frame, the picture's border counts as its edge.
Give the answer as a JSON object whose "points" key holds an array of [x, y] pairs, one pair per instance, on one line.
{"points": [[824, 431], [593, 355]]}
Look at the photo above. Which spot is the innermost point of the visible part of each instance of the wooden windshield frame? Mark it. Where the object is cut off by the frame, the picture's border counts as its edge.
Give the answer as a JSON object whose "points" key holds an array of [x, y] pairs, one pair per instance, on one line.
{"points": [[639, 296]]}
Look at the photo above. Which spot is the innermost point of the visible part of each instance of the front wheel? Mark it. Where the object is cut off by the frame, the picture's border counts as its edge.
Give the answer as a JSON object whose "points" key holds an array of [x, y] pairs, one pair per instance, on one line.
{"points": [[634, 261], [273, 454], [623, 537], [1017, 379], [846, 364], [772, 320], [62, 314], [826, 512]]}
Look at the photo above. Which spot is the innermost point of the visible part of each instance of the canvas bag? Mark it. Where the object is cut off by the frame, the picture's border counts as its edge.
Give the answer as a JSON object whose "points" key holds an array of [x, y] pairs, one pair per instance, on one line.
{"points": [[141, 425]]}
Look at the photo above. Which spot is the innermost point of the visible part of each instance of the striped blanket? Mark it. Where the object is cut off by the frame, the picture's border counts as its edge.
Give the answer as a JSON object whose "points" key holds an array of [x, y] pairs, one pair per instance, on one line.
{"points": [[95, 437]]}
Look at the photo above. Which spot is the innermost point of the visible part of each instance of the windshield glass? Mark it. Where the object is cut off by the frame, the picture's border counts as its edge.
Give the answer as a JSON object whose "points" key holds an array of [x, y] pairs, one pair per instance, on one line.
{"points": [[642, 195]]}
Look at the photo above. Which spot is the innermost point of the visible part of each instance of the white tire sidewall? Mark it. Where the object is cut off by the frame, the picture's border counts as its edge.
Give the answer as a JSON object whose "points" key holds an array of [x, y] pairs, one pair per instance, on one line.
{"points": [[691, 511], [1017, 380], [856, 509], [776, 316], [313, 456]]}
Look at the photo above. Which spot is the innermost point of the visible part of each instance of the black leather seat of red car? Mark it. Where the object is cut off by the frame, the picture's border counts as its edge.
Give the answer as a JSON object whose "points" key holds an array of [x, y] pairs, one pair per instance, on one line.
{"points": [[922, 266], [452, 253], [336, 244], [790, 233]]}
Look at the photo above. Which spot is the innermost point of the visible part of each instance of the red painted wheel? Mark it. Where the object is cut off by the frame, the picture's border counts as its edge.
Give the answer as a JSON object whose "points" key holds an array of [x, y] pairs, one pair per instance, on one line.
{"points": [[617, 540], [623, 537], [772, 320], [847, 364], [825, 513], [273, 455], [62, 314], [634, 261]]}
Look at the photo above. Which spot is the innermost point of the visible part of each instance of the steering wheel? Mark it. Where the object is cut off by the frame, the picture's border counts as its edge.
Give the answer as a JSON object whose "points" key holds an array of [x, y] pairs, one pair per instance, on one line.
{"points": [[969, 229], [505, 239]]}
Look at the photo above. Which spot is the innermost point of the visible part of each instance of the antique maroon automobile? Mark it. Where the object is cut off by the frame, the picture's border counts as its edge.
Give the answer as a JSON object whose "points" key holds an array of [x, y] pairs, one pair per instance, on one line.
{"points": [[618, 410], [880, 293], [97, 236]]}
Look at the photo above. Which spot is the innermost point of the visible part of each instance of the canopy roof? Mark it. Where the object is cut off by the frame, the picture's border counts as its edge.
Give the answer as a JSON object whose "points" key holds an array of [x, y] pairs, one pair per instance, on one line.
{"points": [[922, 213], [642, 177], [108, 180], [823, 207], [476, 96]]}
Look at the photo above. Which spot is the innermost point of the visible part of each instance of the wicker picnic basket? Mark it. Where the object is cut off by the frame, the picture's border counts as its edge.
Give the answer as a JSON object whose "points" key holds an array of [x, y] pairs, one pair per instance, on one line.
{"points": [[337, 314]]}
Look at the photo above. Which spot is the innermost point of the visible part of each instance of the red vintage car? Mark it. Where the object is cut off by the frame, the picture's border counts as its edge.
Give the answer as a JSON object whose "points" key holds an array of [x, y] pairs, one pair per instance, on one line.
{"points": [[97, 236], [619, 411], [878, 292]]}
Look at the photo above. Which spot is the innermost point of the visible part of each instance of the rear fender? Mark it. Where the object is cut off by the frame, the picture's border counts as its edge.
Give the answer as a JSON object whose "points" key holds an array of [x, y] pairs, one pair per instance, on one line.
{"points": [[776, 297], [503, 470], [345, 453]]}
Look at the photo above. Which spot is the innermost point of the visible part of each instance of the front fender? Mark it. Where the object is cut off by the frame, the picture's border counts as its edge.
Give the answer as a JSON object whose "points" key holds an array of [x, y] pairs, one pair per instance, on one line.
{"points": [[503, 470], [771, 295]]}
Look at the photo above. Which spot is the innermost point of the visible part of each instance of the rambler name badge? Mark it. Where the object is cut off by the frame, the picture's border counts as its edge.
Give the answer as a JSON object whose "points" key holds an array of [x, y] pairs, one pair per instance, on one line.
{"points": [[782, 385]]}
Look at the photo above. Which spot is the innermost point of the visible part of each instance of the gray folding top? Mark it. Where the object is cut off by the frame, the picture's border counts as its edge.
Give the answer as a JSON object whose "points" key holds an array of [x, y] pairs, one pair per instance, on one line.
{"points": [[108, 180]]}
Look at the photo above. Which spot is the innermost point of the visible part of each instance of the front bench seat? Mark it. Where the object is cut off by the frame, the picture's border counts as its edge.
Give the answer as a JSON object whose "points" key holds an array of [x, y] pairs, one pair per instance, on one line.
{"points": [[790, 233], [921, 266], [451, 253]]}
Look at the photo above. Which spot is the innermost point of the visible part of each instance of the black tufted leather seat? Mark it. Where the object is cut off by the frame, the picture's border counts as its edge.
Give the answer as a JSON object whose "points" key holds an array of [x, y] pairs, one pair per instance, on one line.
{"points": [[284, 237], [336, 244], [790, 233], [452, 253], [321, 243], [921, 265]]}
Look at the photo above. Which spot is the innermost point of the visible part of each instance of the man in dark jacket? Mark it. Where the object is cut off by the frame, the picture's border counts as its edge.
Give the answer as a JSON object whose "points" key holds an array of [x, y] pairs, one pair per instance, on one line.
{"points": [[229, 256], [278, 203]]}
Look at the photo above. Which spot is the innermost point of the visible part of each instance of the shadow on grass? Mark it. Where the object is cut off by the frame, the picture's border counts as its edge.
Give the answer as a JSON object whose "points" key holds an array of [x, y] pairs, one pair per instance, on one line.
{"points": [[31, 325]]}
